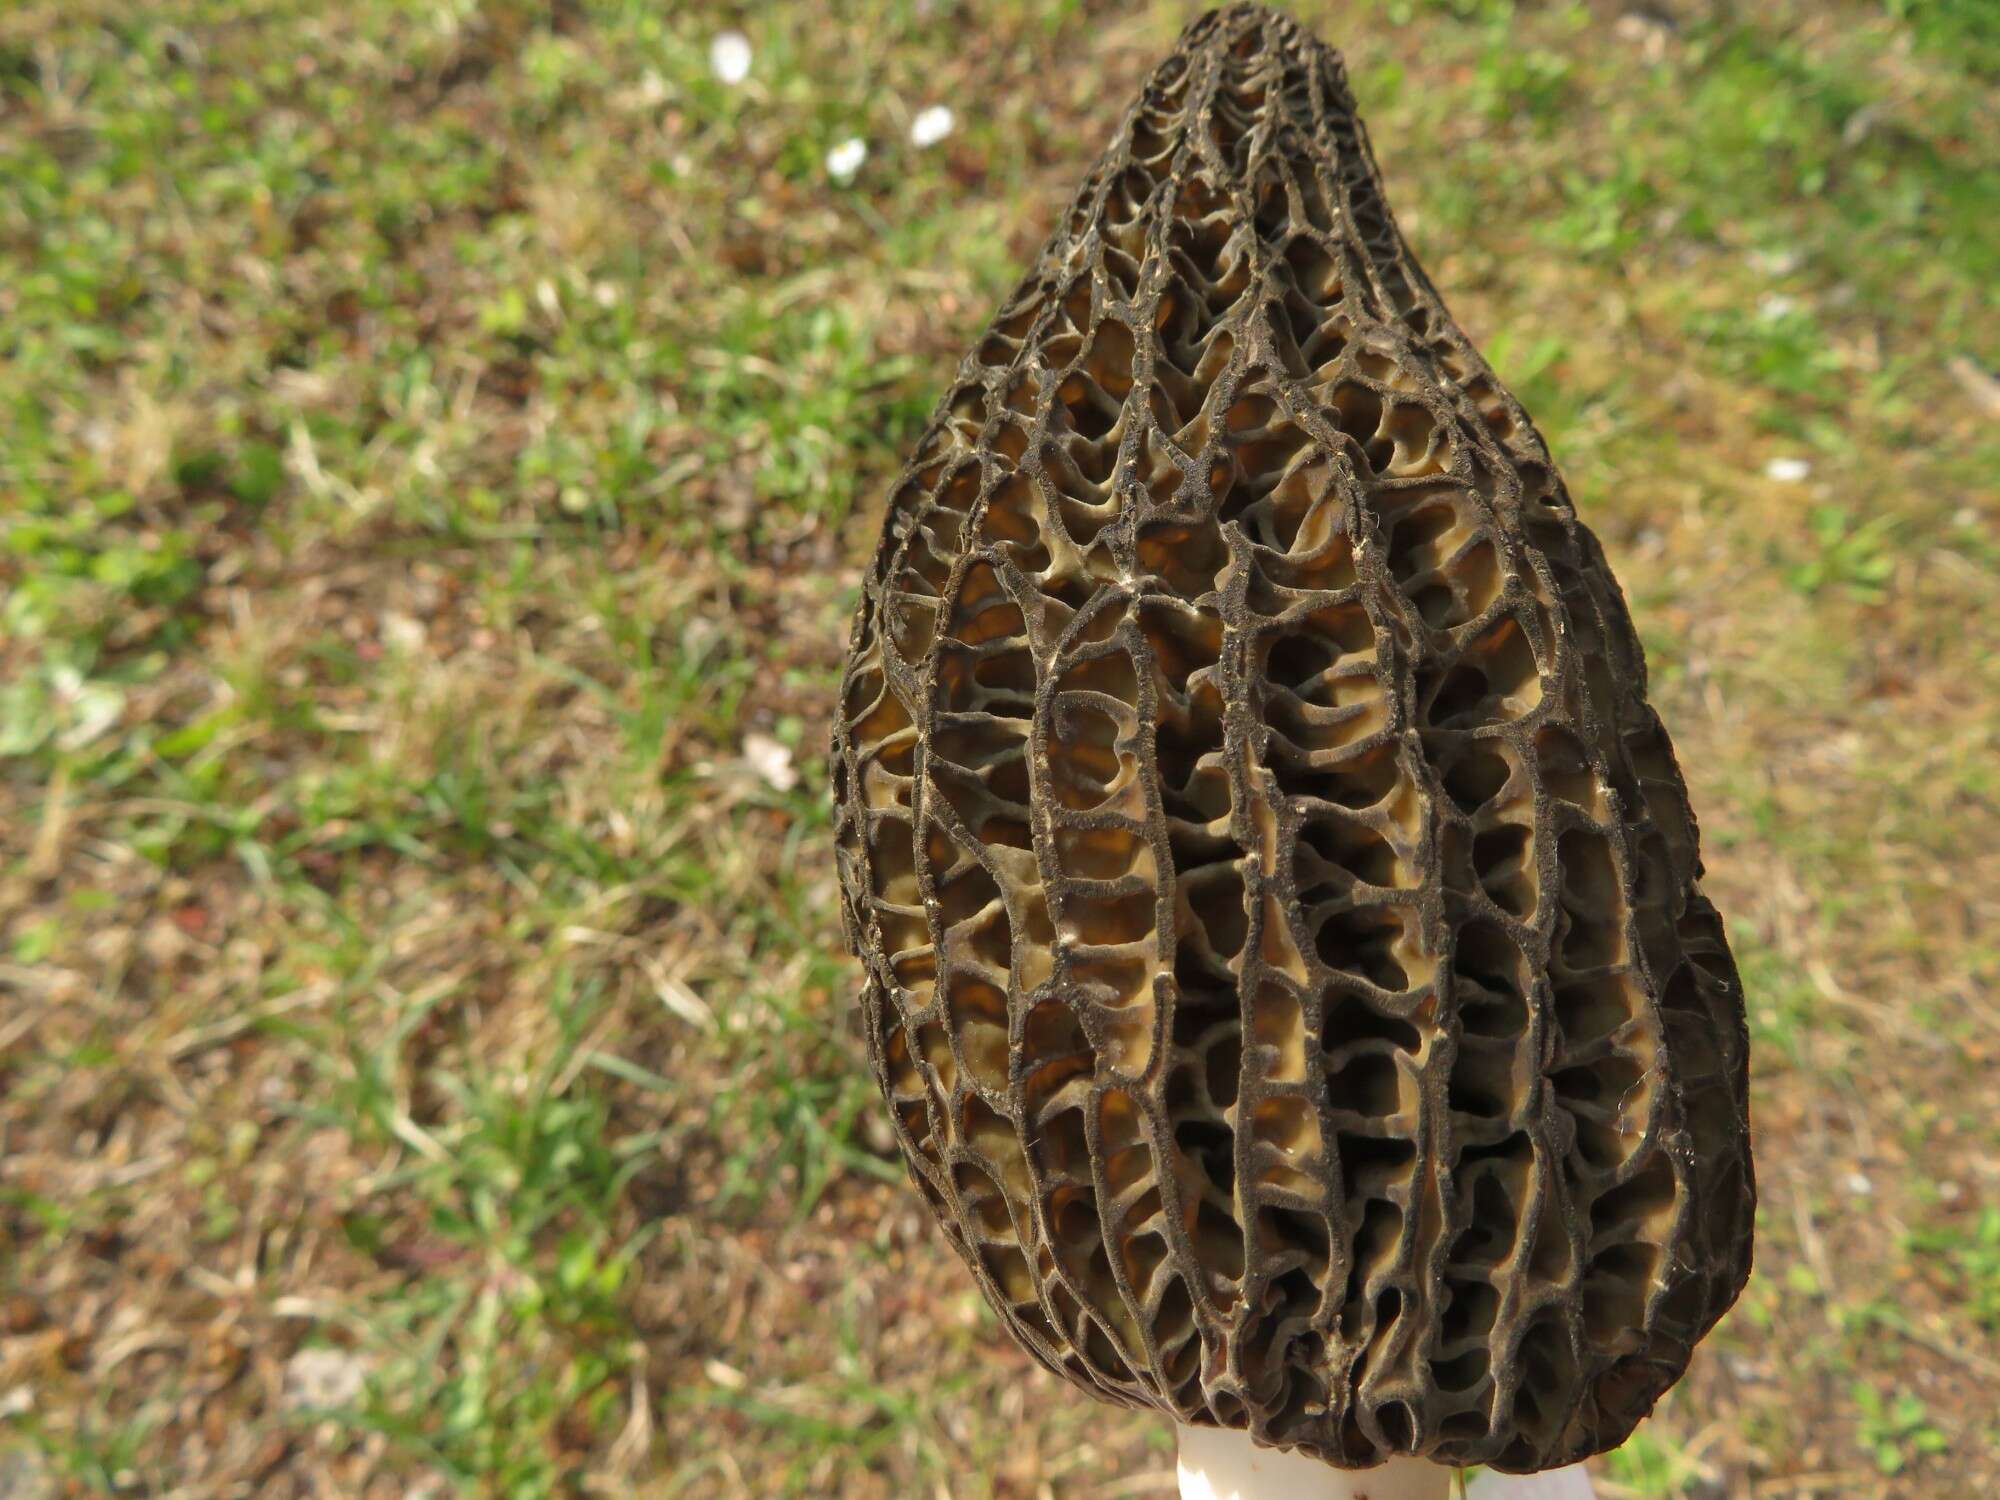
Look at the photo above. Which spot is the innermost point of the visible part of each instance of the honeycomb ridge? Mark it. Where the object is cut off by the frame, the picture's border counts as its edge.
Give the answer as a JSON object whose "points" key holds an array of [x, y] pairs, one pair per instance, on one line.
{"points": [[1286, 963]]}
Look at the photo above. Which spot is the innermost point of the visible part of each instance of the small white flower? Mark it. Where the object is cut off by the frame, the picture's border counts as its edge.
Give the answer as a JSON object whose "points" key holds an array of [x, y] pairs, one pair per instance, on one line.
{"points": [[771, 760], [1776, 305], [729, 57], [844, 160], [931, 126], [318, 1378], [1859, 1185], [1787, 470], [401, 632]]}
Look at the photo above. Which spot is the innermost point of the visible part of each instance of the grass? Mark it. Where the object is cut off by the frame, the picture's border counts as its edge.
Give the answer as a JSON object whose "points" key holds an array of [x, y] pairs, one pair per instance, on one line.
{"points": [[438, 445]]}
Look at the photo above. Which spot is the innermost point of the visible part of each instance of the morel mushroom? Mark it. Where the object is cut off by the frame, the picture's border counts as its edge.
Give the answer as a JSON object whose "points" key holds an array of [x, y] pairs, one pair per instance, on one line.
{"points": [[1285, 956]]}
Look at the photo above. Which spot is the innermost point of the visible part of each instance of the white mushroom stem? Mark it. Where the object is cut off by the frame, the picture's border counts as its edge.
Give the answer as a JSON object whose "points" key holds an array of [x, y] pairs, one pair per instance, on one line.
{"points": [[1223, 1464]]}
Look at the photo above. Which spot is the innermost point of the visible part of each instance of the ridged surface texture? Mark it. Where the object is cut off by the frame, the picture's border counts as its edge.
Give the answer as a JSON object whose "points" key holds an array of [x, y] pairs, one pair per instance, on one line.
{"points": [[1285, 958]]}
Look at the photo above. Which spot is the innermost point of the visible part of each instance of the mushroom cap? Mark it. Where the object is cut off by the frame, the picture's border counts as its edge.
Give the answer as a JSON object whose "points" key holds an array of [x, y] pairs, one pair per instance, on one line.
{"points": [[1286, 963]]}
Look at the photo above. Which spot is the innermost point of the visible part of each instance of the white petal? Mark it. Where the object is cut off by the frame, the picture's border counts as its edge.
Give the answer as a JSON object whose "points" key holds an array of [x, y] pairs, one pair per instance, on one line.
{"points": [[96, 707], [401, 632], [772, 760], [931, 126], [1787, 470], [729, 57], [321, 1378], [844, 160]]}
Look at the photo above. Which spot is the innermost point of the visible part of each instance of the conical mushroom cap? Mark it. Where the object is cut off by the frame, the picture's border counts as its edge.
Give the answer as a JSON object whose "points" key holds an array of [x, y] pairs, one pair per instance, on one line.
{"points": [[1286, 962]]}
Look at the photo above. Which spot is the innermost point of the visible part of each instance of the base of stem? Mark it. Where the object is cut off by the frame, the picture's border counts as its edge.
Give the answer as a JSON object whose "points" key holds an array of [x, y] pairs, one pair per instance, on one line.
{"points": [[1218, 1464]]}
